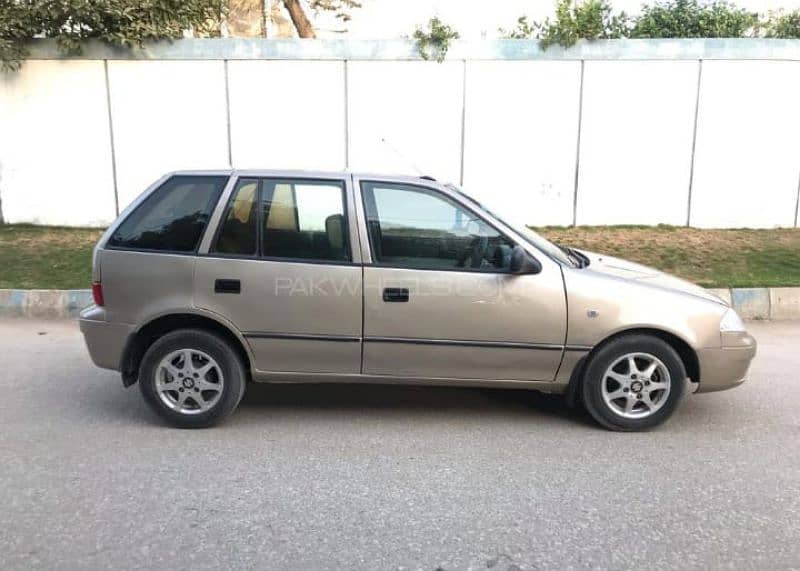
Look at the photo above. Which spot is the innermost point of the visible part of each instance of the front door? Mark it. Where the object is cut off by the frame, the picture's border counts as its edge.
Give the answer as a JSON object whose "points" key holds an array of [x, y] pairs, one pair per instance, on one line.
{"points": [[281, 269], [439, 300]]}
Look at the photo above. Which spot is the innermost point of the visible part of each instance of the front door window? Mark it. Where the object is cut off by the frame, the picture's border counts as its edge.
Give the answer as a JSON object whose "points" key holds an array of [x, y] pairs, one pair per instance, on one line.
{"points": [[414, 227]]}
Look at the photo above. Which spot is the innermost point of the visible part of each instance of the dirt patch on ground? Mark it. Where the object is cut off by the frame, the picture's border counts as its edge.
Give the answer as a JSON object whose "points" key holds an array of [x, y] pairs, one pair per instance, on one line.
{"points": [[46, 257], [55, 257], [713, 258]]}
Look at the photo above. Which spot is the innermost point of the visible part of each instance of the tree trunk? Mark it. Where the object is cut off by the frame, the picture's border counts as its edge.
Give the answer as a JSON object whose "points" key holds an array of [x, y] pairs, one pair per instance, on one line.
{"points": [[299, 19]]}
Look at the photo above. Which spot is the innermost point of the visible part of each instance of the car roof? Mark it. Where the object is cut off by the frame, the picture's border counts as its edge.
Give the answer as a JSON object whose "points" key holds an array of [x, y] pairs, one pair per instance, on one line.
{"points": [[300, 173]]}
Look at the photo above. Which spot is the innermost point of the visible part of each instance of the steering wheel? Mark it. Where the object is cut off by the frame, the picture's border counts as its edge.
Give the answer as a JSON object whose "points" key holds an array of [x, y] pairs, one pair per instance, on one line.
{"points": [[478, 251]]}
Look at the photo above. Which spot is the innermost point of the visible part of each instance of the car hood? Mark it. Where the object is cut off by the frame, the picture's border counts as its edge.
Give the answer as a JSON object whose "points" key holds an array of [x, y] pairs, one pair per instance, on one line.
{"points": [[637, 272]]}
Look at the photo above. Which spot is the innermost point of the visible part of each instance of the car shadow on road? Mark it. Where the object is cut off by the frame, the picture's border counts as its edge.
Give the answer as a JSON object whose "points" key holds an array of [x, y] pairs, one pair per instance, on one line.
{"points": [[265, 398]]}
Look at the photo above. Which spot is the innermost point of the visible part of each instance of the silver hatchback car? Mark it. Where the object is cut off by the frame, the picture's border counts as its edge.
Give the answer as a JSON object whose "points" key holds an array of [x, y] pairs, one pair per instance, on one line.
{"points": [[214, 278]]}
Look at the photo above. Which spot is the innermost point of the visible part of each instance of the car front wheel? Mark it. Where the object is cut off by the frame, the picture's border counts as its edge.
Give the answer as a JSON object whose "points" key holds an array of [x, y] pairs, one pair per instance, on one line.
{"points": [[633, 382], [192, 378]]}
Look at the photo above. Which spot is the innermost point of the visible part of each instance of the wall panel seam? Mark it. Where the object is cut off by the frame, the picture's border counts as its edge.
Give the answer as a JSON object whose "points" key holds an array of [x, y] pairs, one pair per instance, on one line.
{"points": [[346, 115], [228, 113], [694, 143], [797, 200], [578, 149], [463, 119], [111, 139]]}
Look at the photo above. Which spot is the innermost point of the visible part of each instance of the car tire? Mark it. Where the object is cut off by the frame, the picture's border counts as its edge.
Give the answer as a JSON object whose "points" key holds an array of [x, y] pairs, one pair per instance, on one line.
{"points": [[623, 396], [197, 395]]}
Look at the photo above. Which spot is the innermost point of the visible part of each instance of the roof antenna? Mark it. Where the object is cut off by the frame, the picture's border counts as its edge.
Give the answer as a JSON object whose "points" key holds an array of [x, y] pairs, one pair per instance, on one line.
{"points": [[420, 173]]}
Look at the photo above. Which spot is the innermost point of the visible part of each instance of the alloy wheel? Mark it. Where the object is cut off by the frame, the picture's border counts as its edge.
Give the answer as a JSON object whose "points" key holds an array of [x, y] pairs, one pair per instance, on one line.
{"points": [[636, 385], [189, 381]]}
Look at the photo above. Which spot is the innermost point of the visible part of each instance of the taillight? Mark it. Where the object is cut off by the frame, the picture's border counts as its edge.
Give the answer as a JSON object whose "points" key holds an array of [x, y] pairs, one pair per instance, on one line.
{"points": [[97, 293]]}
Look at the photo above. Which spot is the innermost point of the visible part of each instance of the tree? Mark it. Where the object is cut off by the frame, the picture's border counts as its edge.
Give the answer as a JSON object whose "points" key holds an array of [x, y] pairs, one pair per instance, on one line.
{"points": [[301, 22], [590, 20], [123, 23], [16, 29], [689, 19], [783, 25], [594, 19]]}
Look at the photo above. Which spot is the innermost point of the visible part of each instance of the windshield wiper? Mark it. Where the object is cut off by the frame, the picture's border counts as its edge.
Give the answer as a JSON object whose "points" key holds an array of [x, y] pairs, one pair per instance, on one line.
{"points": [[580, 260], [582, 257]]}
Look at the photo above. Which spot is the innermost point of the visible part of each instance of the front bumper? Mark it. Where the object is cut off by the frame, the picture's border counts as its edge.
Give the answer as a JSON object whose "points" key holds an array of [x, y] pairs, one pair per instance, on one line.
{"points": [[104, 340], [727, 366]]}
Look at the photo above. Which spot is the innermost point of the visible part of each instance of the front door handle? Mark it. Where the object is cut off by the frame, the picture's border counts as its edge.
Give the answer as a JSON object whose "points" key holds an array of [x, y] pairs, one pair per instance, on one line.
{"points": [[395, 294], [227, 286]]}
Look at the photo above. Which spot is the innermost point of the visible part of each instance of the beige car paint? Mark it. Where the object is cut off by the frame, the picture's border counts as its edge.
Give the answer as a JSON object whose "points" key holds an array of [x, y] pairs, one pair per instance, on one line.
{"points": [[283, 306], [477, 308], [140, 286], [507, 330]]}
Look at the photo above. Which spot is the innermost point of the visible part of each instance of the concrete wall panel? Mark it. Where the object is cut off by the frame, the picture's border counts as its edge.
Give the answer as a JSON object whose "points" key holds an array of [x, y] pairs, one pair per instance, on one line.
{"points": [[167, 115], [55, 157], [747, 160], [521, 137], [288, 109], [287, 114], [415, 107], [636, 142]]}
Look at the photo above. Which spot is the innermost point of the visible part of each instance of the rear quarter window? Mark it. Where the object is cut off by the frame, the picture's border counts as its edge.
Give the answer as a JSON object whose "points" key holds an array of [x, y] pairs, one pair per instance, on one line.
{"points": [[173, 217]]}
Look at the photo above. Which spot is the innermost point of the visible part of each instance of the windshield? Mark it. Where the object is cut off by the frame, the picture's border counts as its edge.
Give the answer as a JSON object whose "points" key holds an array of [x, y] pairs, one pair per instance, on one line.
{"points": [[556, 252]]}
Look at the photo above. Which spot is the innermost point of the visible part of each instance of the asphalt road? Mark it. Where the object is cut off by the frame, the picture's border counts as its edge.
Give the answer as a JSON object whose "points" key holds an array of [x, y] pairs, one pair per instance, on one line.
{"points": [[307, 477]]}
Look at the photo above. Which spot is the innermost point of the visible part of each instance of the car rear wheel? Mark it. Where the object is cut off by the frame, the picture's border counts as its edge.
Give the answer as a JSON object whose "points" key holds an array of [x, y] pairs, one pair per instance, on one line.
{"points": [[192, 378], [633, 382]]}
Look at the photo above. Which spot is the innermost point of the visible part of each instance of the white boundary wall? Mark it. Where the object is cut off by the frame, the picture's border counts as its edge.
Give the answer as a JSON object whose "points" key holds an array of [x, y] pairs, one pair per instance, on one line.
{"points": [[698, 132]]}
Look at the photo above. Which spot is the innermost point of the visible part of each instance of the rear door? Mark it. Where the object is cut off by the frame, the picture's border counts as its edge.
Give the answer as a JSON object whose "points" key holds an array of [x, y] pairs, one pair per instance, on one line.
{"points": [[282, 268]]}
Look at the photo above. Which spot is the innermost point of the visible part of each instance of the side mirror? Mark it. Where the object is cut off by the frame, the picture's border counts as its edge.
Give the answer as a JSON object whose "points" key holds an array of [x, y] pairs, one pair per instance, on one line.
{"points": [[523, 263]]}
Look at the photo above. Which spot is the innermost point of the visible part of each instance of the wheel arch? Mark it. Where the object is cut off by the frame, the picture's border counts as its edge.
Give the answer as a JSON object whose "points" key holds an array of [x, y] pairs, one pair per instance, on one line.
{"points": [[145, 335], [685, 351]]}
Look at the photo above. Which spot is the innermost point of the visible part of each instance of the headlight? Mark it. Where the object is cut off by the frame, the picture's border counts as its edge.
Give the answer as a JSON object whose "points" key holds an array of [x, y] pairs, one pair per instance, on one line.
{"points": [[731, 322]]}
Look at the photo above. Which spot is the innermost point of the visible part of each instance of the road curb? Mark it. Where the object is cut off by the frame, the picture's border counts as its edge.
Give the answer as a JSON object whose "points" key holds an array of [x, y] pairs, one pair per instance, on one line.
{"points": [[44, 303], [751, 303]]}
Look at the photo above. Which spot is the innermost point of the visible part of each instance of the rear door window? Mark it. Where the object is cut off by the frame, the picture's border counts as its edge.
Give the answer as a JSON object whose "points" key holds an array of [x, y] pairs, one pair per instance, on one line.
{"points": [[238, 234], [173, 217], [304, 219]]}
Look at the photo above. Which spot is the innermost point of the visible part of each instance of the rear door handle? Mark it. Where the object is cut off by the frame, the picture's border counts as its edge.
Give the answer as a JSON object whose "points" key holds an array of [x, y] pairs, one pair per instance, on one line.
{"points": [[395, 294], [227, 286]]}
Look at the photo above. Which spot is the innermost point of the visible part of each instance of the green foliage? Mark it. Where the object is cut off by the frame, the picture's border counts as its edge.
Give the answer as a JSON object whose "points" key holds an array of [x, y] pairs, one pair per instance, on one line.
{"points": [[121, 23], [589, 20], [340, 8], [689, 19], [46, 256], [525, 29], [435, 40], [15, 31], [782, 25], [594, 19]]}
